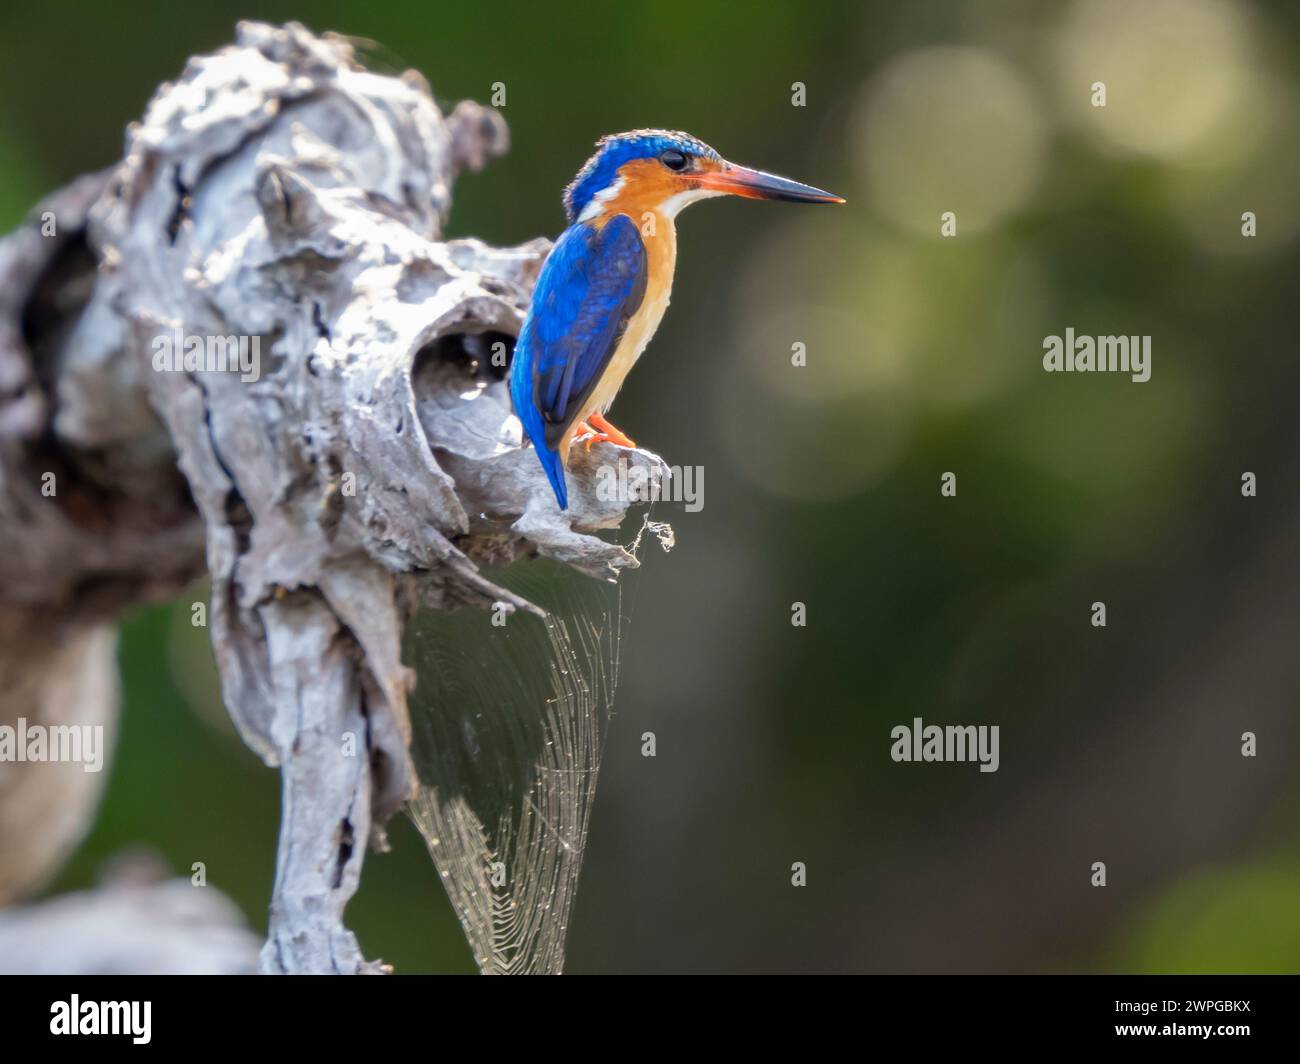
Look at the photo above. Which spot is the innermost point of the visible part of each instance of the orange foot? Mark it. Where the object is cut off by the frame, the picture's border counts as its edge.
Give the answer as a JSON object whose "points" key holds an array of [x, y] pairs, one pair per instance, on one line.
{"points": [[584, 433], [607, 433]]}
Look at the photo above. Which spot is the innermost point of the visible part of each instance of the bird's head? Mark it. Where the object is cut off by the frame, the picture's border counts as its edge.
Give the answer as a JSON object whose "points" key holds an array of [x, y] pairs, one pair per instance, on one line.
{"points": [[656, 169]]}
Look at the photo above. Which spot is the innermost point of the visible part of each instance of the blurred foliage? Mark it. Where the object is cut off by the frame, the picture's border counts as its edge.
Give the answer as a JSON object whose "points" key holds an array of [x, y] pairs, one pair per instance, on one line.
{"points": [[924, 355], [1237, 920]]}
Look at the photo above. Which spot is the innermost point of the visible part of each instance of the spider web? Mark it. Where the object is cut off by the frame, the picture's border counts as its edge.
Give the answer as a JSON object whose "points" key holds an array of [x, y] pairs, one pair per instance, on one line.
{"points": [[509, 723]]}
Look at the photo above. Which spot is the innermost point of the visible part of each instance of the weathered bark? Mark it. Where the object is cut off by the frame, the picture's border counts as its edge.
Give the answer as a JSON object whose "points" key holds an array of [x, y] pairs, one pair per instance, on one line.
{"points": [[133, 924], [278, 193]]}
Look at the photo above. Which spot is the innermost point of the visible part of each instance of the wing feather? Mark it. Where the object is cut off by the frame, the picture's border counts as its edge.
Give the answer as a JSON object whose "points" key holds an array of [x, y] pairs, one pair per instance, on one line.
{"points": [[593, 281]]}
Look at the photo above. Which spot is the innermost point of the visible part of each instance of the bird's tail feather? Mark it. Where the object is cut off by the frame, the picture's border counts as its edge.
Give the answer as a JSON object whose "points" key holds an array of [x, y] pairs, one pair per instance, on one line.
{"points": [[553, 463]]}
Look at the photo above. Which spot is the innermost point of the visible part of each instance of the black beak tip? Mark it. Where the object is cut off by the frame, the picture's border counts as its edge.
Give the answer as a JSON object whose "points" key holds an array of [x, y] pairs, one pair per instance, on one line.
{"points": [[809, 194], [824, 198]]}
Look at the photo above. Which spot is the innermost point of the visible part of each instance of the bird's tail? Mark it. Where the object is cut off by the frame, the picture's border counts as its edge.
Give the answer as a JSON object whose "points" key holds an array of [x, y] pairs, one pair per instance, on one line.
{"points": [[553, 463]]}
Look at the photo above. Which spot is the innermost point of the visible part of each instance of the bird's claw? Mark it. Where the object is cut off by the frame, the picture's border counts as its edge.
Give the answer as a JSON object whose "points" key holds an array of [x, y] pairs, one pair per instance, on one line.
{"points": [[588, 438], [603, 432], [606, 431]]}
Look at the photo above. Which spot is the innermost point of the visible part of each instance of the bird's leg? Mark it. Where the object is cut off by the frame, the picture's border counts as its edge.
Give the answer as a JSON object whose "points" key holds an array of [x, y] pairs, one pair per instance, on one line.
{"points": [[582, 429], [608, 433]]}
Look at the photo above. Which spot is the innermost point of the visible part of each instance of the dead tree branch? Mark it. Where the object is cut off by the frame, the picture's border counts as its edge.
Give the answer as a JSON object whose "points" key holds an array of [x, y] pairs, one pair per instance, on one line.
{"points": [[279, 197]]}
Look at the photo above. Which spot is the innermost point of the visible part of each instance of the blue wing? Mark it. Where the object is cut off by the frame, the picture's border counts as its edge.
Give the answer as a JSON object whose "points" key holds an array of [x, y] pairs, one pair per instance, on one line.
{"points": [[590, 285]]}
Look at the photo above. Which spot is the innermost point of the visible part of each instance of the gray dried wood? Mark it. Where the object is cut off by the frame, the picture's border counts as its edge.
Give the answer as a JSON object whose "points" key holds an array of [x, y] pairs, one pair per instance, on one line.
{"points": [[276, 192]]}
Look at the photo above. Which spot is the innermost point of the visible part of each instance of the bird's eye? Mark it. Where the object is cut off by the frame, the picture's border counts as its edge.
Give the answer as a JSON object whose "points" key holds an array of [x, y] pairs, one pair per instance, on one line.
{"points": [[673, 159]]}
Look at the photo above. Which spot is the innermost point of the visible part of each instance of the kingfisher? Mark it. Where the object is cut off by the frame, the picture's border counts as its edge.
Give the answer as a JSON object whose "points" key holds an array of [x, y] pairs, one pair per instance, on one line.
{"points": [[605, 285]]}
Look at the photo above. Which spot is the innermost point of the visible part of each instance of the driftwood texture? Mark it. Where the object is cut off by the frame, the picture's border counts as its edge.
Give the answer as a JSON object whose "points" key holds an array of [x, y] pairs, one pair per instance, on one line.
{"points": [[278, 193]]}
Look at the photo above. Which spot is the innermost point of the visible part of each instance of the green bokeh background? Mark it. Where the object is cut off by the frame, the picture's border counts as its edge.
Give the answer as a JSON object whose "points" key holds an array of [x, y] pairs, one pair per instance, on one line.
{"points": [[1118, 744]]}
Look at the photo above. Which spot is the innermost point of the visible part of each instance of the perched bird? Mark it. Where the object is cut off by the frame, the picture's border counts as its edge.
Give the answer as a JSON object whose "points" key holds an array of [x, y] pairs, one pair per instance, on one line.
{"points": [[605, 285]]}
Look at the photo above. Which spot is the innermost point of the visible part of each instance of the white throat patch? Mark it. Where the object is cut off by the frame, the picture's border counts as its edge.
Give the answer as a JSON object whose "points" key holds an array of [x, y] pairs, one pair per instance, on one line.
{"points": [[675, 203]]}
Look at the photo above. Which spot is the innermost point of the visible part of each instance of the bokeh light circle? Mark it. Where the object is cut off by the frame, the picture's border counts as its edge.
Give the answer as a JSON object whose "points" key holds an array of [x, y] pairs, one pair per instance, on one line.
{"points": [[949, 129]]}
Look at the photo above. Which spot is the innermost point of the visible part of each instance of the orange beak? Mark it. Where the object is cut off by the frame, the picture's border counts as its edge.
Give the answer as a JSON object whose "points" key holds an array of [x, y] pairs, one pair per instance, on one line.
{"points": [[755, 184]]}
